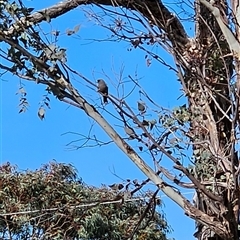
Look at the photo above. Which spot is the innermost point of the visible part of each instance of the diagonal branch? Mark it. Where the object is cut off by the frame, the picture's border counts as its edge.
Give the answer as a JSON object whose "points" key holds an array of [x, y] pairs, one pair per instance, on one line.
{"points": [[233, 43], [173, 194]]}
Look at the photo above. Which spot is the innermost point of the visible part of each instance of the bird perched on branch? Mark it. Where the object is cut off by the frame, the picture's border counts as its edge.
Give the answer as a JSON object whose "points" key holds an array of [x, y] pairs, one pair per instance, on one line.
{"points": [[130, 132], [103, 88]]}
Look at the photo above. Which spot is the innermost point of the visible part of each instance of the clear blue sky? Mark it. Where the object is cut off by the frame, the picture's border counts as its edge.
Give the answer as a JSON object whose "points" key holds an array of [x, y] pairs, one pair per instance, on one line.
{"points": [[29, 142]]}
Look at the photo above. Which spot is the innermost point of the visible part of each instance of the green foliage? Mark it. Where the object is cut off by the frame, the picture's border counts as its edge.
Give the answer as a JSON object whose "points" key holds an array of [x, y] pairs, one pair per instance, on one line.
{"points": [[53, 203]]}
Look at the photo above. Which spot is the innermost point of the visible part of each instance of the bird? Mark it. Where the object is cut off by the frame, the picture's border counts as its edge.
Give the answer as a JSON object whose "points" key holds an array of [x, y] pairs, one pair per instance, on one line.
{"points": [[103, 88], [142, 107], [130, 132]]}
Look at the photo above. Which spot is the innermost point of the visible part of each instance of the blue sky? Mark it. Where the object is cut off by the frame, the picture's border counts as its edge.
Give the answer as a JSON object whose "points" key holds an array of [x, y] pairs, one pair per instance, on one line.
{"points": [[29, 142]]}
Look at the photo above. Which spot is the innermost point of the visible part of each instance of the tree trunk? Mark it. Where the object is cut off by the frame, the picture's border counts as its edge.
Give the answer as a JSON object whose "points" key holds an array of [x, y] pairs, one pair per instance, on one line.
{"points": [[208, 83]]}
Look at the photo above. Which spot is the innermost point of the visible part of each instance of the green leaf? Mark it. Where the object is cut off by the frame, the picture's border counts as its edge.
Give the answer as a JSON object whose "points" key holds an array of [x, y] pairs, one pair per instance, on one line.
{"points": [[76, 28]]}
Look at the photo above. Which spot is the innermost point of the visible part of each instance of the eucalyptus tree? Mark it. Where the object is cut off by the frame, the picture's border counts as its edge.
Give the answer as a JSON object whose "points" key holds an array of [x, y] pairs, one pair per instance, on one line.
{"points": [[206, 65], [54, 203]]}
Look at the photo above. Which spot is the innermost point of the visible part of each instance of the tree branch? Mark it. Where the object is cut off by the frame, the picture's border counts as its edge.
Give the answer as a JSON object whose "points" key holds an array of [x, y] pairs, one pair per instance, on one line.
{"points": [[166, 188], [155, 11]]}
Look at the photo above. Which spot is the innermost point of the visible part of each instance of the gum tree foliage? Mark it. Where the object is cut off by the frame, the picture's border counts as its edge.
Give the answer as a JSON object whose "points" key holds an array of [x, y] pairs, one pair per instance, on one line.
{"points": [[207, 66], [53, 203]]}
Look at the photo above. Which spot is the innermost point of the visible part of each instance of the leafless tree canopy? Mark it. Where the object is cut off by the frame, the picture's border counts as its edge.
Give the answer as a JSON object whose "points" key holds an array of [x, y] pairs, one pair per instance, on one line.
{"points": [[207, 66]]}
